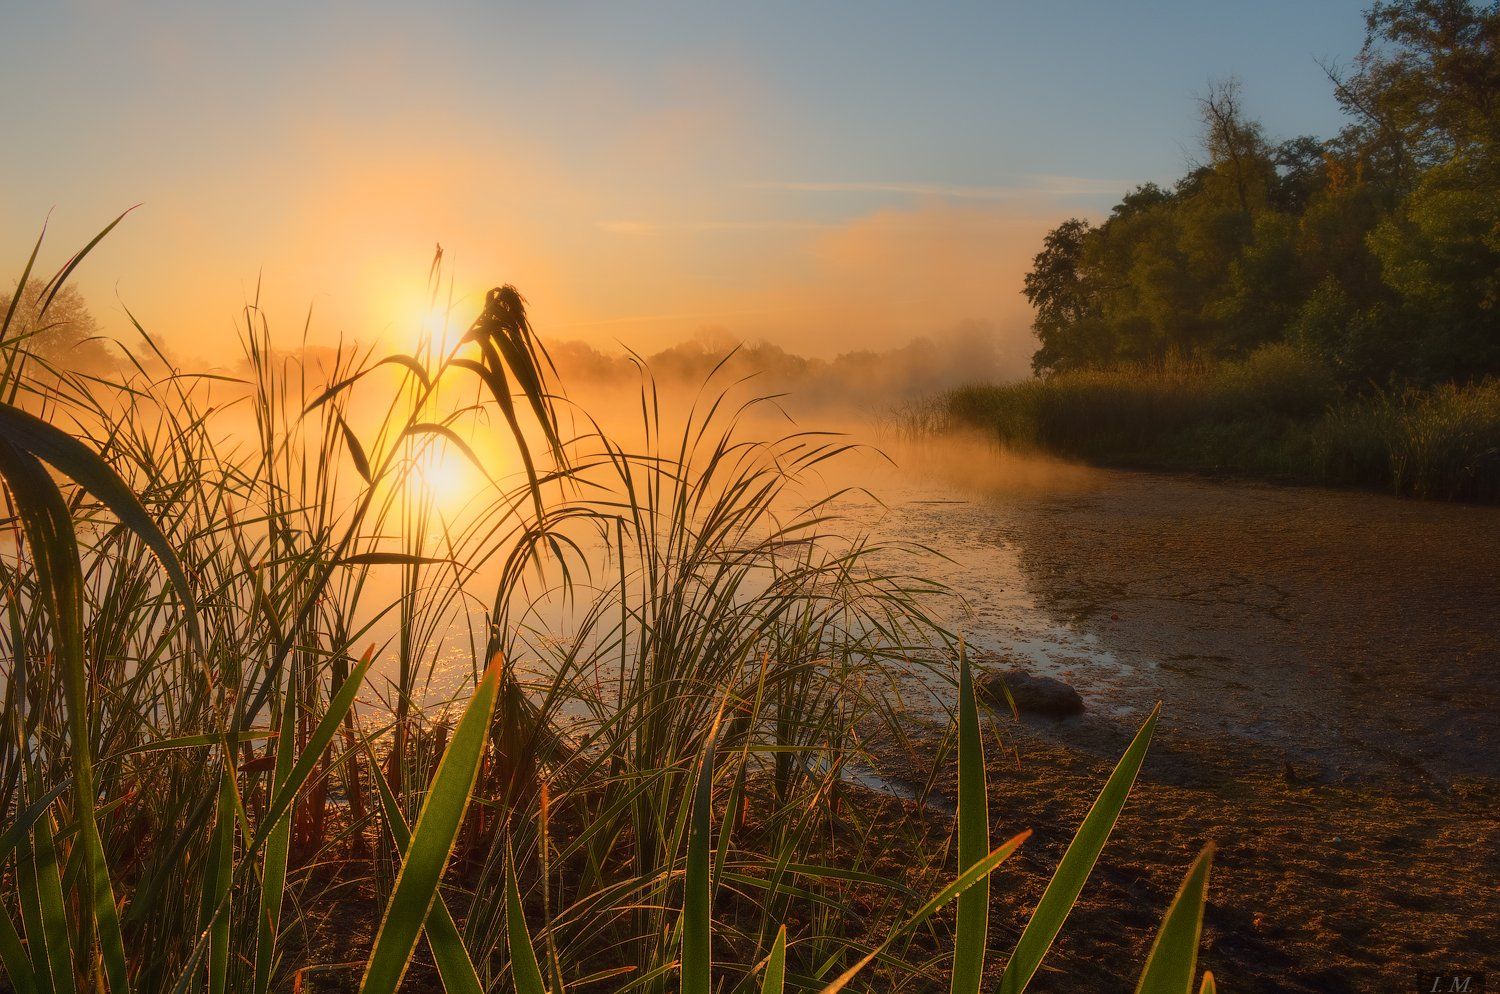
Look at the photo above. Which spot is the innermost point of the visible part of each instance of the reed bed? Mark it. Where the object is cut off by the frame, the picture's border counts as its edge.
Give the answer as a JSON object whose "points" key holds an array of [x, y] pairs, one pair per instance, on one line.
{"points": [[236, 753], [1279, 414]]}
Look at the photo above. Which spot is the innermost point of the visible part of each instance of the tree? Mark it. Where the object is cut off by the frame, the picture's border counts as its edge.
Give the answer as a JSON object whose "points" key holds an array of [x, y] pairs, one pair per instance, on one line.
{"points": [[1426, 85], [1060, 292], [66, 336], [1378, 250]]}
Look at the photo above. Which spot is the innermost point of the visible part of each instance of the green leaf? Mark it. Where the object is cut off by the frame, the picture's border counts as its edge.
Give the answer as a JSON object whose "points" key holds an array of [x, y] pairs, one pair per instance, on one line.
{"points": [[775, 978], [356, 450], [56, 283], [278, 847], [414, 367], [432, 840], [972, 931], [54, 549], [13, 957], [525, 972], [84, 466], [1208, 986], [1077, 863], [282, 799], [455, 968], [965, 880], [391, 559], [221, 869], [1174, 955], [697, 913], [54, 936]]}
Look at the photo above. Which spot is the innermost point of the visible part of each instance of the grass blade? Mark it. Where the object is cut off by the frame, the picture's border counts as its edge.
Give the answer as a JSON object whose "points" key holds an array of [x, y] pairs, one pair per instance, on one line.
{"points": [[281, 802], [54, 550], [221, 868], [1174, 955], [13, 957], [775, 978], [697, 914], [84, 466], [972, 931], [432, 840], [278, 846], [455, 968], [1077, 863], [1208, 986], [979, 871], [52, 913], [525, 972]]}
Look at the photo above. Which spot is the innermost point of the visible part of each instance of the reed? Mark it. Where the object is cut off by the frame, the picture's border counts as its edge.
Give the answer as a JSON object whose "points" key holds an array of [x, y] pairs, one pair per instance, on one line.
{"points": [[236, 752], [1276, 414]]}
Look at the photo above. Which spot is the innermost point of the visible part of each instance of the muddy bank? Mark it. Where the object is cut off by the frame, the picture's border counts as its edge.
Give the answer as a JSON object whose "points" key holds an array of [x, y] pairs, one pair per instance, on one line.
{"points": [[1327, 665]]}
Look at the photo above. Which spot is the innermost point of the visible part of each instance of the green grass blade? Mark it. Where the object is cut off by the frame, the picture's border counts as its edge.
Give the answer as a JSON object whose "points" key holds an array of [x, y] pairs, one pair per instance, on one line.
{"points": [[54, 548], [281, 802], [1077, 863], [317, 743], [56, 283], [83, 465], [19, 830], [525, 972], [961, 883], [1174, 955], [40, 965], [219, 877], [278, 848], [13, 957], [455, 968], [1208, 986], [432, 840], [52, 912], [775, 979], [972, 931], [697, 914]]}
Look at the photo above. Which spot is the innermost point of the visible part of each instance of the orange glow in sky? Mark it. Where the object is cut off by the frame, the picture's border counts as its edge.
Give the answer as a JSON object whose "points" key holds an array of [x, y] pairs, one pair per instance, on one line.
{"points": [[824, 177]]}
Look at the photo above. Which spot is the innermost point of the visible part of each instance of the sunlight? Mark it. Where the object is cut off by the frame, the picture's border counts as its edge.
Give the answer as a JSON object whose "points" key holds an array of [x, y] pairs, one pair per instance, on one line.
{"points": [[446, 477]]}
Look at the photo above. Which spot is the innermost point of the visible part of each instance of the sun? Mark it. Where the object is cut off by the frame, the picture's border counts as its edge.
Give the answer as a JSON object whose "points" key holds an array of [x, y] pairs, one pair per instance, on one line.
{"points": [[445, 477]]}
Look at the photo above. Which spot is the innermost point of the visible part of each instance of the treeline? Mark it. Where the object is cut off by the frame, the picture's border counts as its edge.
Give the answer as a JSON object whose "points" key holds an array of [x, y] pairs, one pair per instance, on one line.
{"points": [[858, 381], [1377, 250]]}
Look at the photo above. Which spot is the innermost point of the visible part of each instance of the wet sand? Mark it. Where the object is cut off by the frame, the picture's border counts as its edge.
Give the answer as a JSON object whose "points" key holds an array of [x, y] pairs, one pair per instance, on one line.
{"points": [[1327, 666]]}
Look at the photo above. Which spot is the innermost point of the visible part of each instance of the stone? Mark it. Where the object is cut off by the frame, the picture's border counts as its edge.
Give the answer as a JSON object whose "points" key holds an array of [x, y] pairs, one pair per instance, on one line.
{"points": [[1033, 694]]}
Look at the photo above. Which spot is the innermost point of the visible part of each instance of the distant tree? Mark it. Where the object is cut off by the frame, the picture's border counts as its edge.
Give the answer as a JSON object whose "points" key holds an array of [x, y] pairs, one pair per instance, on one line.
{"points": [[1301, 171], [1440, 253], [1235, 144], [66, 336], [1426, 85], [1058, 289]]}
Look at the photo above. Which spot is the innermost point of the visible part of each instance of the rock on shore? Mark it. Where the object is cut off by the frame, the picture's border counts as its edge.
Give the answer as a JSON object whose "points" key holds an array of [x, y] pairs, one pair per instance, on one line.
{"points": [[1033, 694]]}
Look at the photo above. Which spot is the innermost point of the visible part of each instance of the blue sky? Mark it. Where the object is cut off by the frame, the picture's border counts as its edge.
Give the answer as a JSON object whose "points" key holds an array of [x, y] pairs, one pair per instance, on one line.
{"points": [[818, 174]]}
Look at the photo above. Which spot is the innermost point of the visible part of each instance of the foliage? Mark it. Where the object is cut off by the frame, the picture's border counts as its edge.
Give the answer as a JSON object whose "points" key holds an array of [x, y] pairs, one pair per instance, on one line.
{"points": [[1279, 413], [1377, 249]]}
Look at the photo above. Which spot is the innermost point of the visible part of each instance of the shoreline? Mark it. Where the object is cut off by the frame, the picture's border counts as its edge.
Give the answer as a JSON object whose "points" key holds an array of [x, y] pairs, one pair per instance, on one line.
{"points": [[1325, 660]]}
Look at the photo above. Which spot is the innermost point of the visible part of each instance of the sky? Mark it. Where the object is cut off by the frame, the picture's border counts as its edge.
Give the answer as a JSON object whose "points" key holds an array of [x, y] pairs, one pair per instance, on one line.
{"points": [[823, 175]]}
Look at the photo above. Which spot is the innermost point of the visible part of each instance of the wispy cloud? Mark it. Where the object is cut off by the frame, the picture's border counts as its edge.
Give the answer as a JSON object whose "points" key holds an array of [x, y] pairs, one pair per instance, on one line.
{"points": [[648, 227], [1026, 186]]}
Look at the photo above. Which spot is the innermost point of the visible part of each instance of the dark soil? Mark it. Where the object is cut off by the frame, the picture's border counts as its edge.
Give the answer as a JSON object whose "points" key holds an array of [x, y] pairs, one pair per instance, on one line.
{"points": [[1329, 669]]}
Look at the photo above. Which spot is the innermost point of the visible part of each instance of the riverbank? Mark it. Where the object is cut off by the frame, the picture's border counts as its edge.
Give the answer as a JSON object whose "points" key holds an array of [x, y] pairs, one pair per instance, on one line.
{"points": [[1325, 663], [1277, 415]]}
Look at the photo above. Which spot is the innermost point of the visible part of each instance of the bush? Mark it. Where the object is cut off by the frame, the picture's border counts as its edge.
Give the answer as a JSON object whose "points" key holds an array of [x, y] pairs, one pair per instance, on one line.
{"points": [[1278, 413]]}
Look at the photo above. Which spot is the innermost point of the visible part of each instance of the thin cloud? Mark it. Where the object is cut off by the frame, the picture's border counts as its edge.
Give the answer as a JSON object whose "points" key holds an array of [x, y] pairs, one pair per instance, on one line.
{"points": [[646, 227], [1029, 186]]}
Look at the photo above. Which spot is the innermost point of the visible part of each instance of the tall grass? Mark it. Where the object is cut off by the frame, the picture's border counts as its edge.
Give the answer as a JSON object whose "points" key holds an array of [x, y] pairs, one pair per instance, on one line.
{"points": [[1276, 414], [231, 611]]}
